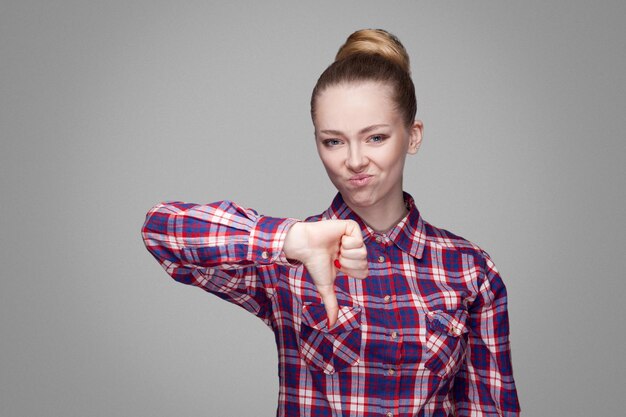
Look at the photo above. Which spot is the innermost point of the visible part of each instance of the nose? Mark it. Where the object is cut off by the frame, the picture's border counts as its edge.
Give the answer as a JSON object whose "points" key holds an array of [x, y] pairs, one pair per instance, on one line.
{"points": [[356, 160]]}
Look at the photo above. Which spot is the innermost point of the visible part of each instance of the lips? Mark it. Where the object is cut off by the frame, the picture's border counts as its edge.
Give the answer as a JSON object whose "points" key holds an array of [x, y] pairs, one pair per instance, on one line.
{"points": [[360, 180]]}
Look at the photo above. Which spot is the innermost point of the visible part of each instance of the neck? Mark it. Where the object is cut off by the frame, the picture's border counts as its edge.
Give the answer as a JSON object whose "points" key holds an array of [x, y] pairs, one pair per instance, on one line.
{"points": [[385, 215]]}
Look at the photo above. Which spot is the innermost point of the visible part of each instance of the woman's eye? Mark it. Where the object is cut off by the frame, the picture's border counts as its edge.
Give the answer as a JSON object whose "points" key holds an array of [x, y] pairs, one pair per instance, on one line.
{"points": [[376, 138], [331, 142]]}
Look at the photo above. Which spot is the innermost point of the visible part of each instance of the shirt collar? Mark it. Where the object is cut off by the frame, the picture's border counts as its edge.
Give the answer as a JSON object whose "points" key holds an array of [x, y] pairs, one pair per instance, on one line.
{"points": [[409, 234]]}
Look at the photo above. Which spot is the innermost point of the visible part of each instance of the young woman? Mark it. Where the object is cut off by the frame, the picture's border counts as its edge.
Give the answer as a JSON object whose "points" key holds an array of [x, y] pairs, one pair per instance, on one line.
{"points": [[375, 311]]}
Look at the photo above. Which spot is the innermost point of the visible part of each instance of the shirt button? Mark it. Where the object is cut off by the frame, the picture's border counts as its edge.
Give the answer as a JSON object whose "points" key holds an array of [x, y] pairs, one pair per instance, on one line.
{"points": [[381, 259], [379, 239], [391, 372], [389, 414], [394, 335], [387, 298], [264, 255]]}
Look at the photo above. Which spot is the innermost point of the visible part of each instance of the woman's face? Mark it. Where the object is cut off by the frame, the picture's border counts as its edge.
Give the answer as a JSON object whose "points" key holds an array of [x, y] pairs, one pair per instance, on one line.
{"points": [[363, 142]]}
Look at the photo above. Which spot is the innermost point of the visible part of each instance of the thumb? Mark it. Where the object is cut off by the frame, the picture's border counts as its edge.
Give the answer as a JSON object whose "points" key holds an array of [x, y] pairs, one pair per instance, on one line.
{"points": [[323, 275], [353, 229], [329, 298]]}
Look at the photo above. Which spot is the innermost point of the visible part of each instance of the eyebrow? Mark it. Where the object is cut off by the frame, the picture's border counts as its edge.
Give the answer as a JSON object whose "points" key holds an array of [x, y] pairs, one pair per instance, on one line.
{"points": [[362, 131]]}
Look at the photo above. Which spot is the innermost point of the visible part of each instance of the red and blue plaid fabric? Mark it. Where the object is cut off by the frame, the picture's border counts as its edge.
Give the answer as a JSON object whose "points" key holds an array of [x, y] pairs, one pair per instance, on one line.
{"points": [[426, 334]]}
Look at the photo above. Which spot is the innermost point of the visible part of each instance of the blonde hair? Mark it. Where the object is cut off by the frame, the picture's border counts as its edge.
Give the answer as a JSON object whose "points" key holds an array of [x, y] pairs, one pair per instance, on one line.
{"points": [[375, 41], [372, 55]]}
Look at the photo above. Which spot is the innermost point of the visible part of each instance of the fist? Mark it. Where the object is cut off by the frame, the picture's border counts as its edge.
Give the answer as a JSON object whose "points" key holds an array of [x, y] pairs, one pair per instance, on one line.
{"points": [[326, 247]]}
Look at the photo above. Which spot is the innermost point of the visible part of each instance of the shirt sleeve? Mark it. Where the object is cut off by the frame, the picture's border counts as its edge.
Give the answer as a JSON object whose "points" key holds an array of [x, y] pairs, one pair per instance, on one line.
{"points": [[218, 247], [484, 386]]}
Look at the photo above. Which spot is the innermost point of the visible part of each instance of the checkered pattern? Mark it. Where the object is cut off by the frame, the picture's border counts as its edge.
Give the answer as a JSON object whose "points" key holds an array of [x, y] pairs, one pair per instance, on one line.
{"points": [[426, 334]]}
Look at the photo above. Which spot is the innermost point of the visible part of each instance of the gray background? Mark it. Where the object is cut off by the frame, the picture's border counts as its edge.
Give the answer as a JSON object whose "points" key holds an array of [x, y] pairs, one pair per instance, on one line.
{"points": [[110, 107]]}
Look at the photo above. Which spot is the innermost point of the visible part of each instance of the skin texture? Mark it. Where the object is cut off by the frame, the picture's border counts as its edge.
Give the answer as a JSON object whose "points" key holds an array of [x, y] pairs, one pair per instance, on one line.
{"points": [[362, 142], [360, 134], [317, 245]]}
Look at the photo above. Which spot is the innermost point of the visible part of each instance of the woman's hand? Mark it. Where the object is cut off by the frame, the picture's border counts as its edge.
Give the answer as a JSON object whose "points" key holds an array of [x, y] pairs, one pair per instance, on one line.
{"points": [[317, 245]]}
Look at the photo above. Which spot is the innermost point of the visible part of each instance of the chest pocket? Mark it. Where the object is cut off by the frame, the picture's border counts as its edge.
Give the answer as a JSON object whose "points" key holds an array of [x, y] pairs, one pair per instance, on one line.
{"points": [[445, 340], [330, 349]]}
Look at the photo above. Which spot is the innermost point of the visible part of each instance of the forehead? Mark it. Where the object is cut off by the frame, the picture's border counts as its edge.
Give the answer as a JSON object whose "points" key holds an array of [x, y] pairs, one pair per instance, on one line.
{"points": [[350, 107]]}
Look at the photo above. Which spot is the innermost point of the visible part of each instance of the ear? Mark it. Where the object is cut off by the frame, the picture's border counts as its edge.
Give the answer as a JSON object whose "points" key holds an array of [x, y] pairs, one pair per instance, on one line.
{"points": [[415, 137]]}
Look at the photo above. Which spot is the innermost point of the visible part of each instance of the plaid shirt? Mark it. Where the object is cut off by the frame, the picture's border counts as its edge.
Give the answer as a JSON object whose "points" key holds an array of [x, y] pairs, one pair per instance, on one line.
{"points": [[426, 334]]}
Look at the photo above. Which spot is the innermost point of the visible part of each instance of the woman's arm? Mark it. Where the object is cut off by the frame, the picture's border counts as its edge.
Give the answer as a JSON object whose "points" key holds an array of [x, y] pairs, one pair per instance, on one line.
{"points": [[484, 385], [218, 248]]}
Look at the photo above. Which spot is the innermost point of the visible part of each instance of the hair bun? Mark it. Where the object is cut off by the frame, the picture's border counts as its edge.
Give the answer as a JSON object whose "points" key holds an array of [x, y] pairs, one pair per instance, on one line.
{"points": [[372, 55], [375, 42]]}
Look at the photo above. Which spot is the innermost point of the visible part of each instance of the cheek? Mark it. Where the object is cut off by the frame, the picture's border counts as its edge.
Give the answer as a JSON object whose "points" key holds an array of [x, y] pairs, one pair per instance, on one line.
{"points": [[393, 155], [331, 163], [394, 161]]}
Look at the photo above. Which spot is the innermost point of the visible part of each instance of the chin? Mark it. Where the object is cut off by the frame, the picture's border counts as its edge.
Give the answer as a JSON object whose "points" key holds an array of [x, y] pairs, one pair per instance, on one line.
{"points": [[359, 199]]}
